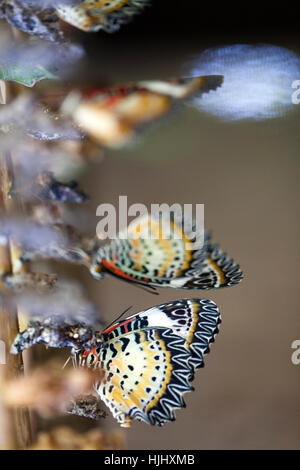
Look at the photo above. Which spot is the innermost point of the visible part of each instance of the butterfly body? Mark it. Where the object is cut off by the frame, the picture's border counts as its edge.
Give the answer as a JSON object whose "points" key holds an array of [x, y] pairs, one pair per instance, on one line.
{"points": [[150, 358]]}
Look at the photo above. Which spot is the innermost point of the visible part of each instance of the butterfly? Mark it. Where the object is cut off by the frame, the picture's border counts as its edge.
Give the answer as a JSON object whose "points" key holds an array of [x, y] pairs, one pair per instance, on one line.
{"points": [[112, 116], [94, 15], [43, 20], [150, 358], [148, 256]]}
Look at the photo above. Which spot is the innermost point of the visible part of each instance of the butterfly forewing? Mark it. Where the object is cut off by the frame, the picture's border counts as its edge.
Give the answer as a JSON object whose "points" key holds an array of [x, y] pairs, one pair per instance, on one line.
{"points": [[194, 320]]}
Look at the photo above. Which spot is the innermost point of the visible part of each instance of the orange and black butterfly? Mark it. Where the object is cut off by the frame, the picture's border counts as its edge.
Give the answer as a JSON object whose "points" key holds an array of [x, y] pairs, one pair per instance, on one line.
{"points": [[154, 255], [113, 116], [149, 359]]}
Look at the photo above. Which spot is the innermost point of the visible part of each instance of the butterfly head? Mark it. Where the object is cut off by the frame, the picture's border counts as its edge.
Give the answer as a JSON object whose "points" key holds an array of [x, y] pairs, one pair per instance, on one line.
{"points": [[97, 271]]}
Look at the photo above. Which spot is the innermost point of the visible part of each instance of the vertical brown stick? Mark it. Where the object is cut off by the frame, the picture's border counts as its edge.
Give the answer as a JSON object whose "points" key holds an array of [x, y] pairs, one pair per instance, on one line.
{"points": [[15, 430]]}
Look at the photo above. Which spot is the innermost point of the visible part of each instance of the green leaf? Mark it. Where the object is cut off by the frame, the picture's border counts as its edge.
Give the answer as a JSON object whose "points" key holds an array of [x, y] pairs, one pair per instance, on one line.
{"points": [[27, 76]]}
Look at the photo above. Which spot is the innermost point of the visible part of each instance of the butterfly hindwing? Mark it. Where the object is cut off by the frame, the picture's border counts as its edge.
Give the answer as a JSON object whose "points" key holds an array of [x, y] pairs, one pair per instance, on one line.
{"points": [[215, 271]]}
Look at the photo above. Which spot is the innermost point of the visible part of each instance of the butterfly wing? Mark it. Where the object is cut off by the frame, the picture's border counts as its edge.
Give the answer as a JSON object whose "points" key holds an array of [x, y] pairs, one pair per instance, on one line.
{"points": [[149, 359], [146, 376], [94, 15], [151, 257], [215, 271]]}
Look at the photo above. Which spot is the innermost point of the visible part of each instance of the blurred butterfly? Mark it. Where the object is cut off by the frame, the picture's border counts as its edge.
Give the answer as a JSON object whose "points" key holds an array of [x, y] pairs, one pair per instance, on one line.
{"points": [[93, 15], [112, 116], [155, 255], [149, 359], [41, 19]]}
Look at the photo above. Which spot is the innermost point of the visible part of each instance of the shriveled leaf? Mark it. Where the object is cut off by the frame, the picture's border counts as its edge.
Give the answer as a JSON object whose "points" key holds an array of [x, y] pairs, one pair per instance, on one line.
{"points": [[57, 332], [47, 188], [62, 318], [87, 406]]}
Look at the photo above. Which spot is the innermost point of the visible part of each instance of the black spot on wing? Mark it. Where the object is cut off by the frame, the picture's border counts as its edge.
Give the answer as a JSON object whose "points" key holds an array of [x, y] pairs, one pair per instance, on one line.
{"points": [[125, 341]]}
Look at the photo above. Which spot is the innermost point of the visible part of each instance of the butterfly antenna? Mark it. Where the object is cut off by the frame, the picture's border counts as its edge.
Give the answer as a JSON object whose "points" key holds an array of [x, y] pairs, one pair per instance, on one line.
{"points": [[149, 289], [119, 317]]}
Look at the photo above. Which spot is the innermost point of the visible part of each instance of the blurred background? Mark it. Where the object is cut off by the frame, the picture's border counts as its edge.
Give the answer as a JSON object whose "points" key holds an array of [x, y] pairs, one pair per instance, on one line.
{"points": [[246, 174]]}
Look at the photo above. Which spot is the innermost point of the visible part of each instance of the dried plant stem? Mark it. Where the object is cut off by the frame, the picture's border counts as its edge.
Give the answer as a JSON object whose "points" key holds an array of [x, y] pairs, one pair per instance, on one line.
{"points": [[17, 266], [15, 432]]}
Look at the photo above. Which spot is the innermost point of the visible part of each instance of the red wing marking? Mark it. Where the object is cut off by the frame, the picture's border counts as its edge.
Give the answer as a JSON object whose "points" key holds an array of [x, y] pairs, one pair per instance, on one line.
{"points": [[88, 351], [125, 323], [111, 267]]}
